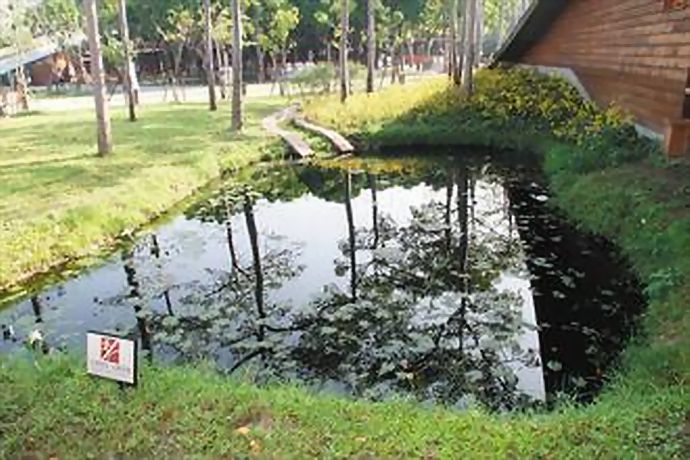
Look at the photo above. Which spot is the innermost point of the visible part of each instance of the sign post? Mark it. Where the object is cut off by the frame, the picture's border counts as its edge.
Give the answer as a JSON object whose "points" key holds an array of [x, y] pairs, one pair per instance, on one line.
{"points": [[111, 357]]}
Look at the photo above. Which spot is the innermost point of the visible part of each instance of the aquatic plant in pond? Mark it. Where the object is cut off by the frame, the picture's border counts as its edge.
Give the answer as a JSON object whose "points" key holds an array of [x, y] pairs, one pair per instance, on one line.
{"points": [[450, 281]]}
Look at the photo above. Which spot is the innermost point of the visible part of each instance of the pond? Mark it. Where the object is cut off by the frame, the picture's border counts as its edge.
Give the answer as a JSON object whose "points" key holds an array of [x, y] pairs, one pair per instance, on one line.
{"points": [[450, 280]]}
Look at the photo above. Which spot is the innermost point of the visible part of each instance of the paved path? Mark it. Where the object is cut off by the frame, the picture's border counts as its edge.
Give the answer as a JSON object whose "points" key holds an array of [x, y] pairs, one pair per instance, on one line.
{"points": [[147, 95], [158, 94]]}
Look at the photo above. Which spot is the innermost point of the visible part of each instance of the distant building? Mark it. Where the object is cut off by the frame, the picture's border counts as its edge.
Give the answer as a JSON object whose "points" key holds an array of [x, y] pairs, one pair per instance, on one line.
{"points": [[42, 62], [635, 53]]}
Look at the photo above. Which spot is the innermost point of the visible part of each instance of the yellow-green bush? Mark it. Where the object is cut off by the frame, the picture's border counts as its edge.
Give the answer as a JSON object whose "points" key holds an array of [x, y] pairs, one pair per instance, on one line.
{"points": [[508, 105]]}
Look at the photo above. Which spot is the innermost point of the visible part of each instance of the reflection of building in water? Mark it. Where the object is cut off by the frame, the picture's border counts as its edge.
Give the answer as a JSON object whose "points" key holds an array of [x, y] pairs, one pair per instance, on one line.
{"points": [[585, 300]]}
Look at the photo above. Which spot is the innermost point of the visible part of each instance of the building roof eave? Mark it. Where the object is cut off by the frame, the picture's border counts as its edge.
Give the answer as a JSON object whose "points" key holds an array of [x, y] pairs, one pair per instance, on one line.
{"points": [[531, 27]]}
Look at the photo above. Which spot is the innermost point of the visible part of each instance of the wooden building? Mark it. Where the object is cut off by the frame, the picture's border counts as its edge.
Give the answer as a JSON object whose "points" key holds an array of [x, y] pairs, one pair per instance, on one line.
{"points": [[635, 53]]}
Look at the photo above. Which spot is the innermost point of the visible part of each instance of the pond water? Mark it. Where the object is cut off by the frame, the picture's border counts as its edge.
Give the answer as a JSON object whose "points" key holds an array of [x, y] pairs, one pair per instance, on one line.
{"points": [[450, 280]]}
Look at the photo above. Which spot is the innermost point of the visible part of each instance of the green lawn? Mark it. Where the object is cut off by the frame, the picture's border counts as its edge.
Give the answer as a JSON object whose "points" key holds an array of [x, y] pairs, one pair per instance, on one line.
{"points": [[59, 202], [53, 409]]}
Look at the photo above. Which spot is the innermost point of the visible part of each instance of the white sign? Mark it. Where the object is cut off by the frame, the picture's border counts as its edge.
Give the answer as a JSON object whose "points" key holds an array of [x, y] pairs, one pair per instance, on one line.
{"points": [[111, 357]]}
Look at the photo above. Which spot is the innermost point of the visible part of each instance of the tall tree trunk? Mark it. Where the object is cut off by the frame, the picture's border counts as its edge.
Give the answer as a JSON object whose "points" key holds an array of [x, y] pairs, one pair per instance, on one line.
{"points": [[394, 63], [260, 55], [351, 235], [156, 252], [22, 89], [447, 52], [344, 30], [468, 55], [410, 52], [371, 44], [261, 59], [256, 256], [463, 199], [129, 67], [177, 61], [134, 296], [37, 307], [374, 209], [210, 68], [401, 64], [283, 71], [219, 60], [226, 69], [105, 143], [450, 187], [480, 32], [234, 261], [455, 70], [236, 66]]}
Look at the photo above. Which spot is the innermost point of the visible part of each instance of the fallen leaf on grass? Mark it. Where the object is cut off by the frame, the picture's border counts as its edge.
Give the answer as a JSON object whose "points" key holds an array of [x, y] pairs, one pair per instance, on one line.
{"points": [[243, 430]]}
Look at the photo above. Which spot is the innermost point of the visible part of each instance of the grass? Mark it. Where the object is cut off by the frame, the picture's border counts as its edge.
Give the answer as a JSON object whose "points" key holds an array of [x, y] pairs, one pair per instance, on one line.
{"points": [[59, 202], [48, 407], [51, 408]]}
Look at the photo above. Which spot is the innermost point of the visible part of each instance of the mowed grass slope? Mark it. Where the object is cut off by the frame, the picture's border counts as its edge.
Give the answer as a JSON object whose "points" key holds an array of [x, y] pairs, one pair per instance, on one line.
{"points": [[59, 201], [52, 409]]}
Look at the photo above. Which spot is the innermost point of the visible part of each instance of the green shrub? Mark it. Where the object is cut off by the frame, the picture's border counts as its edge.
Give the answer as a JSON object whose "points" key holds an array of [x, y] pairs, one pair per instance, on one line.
{"points": [[315, 78], [506, 104], [319, 78]]}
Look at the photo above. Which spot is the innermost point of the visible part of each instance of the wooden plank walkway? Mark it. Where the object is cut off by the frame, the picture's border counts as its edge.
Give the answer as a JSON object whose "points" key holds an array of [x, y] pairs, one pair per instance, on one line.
{"points": [[272, 124], [341, 144]]}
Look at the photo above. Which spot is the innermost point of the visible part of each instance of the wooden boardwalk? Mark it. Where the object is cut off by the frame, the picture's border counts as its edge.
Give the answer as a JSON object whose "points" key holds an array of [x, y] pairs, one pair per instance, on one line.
{"points": [[342, 145], [272, 124], [295, 141]]}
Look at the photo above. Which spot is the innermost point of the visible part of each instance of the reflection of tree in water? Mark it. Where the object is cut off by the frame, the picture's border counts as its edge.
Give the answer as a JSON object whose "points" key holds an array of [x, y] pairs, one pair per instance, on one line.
{"points": [[421, 314], [425, 312], [425, 317], [232, 320]]}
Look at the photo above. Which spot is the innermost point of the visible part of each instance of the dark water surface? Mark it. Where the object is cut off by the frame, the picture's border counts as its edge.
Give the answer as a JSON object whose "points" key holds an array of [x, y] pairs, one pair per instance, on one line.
{"points": [[449, 280]]}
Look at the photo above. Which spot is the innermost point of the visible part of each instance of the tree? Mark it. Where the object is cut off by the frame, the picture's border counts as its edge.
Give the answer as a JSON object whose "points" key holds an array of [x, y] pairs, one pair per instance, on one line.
{"points": [[57, 19], [222, 36], [178, 31], [276, 21], [328, 16], [128, 67], [210, 69], [105, 143], [18, 33], [468, 55], [344, 32], [452, 43], [236, 66], [479, 44], [371, 44]]}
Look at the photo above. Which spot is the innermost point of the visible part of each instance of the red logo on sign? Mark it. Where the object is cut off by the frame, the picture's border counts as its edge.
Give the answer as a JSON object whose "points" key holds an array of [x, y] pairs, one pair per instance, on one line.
{"points": [[110, 350]]}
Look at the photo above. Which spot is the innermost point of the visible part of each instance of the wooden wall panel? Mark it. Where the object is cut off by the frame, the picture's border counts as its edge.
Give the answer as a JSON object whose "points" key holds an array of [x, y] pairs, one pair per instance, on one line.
{"points": [[635, 53]]}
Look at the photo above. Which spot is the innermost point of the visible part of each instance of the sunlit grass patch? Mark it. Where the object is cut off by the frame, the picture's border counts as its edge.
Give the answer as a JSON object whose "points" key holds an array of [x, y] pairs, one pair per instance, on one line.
{"points": [[59, 201]]}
